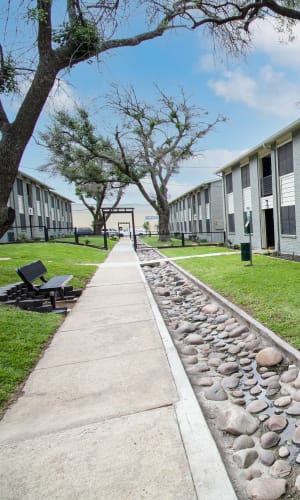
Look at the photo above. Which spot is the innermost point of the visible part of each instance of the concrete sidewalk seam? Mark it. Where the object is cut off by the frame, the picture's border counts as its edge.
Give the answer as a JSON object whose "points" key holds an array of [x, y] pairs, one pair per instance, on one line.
{"points": [[136, 322], [93, 360]]}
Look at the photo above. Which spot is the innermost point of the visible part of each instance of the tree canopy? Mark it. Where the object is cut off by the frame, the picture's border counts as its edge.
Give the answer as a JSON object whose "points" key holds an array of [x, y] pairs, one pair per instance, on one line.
{"points": [[149, 144]]}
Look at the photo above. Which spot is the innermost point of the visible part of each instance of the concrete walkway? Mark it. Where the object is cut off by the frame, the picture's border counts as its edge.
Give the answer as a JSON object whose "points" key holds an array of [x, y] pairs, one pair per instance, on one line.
{"points": [[108, 412]]}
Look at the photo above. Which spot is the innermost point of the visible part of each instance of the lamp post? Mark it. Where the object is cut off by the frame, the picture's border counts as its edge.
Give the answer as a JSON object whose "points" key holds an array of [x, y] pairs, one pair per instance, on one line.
{"points": [[248, 230]]}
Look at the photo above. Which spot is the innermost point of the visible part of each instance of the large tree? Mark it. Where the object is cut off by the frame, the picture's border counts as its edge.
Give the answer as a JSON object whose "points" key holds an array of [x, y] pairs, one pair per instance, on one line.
{"points": [[69, 32], [153, 141], [147, 148], [71, 143]]}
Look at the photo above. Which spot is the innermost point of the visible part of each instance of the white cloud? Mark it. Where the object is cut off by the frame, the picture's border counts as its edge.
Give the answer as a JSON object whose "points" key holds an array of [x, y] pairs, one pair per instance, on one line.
{"points": [[267, 91], [61, 96], [282, 51]]}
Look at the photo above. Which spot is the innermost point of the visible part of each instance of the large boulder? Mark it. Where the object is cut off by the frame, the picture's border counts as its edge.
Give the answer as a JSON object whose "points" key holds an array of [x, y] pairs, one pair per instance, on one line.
{"points": [[264, 488], [235, 420], [269, 357]]}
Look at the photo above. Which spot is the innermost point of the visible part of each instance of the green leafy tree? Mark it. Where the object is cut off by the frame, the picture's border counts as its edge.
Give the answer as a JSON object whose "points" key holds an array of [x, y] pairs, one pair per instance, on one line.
{"points": [[90, 29], [146, 226], [72, 146]]}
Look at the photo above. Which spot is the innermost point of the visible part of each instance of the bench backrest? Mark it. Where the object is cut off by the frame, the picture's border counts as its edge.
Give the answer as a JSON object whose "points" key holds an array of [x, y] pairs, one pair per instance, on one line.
{"points": [[31, 272]]}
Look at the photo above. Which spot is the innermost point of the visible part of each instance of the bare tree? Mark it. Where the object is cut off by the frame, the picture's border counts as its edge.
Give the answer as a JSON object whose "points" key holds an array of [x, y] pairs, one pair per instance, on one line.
{"points": [[90, 29], [154, 140]]}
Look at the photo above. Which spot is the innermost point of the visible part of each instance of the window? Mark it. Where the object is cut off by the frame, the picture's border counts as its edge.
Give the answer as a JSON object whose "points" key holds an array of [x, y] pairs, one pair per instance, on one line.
{"points": [[20, 187], [266, 182], [231, 223], [245, 172], [206, 196], [285, 159], [22, 221], [200, 226], [288, 220], [194, 204], [229, 188], [28, 189], [266, 166], [208, 225]]}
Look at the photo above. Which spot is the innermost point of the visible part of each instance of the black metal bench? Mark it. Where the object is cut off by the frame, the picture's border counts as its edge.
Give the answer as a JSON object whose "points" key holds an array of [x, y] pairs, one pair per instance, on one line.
{"points": [[51, 288]]}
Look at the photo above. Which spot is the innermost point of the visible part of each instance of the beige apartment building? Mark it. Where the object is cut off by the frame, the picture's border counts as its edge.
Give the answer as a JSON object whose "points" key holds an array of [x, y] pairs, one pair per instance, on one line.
{"points": [[145, 213]]}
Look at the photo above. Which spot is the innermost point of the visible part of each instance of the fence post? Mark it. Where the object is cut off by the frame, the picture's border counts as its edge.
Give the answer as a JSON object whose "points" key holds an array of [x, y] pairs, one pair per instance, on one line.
{"points": [[76, 236], [182, 240], [46, 233]]}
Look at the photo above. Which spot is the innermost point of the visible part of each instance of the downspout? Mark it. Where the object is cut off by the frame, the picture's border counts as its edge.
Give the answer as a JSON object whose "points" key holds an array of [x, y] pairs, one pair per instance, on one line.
{"points": [[277, 198], [225, 207]]}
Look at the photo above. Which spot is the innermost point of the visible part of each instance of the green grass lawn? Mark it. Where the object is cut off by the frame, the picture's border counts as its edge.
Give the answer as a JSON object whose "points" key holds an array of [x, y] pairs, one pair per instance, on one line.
{"points": [[153, 241], [89, 240], [198, 250], [57, 257], [269, 290], [23, 334]]}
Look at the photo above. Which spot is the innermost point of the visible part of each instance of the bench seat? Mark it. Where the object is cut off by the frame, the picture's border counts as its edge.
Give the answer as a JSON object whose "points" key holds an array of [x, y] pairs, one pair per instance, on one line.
{"points": [[36, 270]]}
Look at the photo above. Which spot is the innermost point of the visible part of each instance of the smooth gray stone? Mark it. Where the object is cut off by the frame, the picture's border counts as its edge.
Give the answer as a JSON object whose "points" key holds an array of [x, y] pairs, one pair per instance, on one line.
{"points": [[283, 401], [188, 350], [294, 409], [194, 339], [277, 423], [269, 440], [236, 332], [267, 457], [264, 488], [230, 382], [245, 458], [236, 421], [242, 442], [281, 468], [228, 368], [257, 406], [269, 357], [216, 393]]}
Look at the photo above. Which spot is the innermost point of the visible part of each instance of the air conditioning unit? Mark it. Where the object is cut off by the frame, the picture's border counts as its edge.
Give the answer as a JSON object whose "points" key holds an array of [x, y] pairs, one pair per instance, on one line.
{"points": [[30, 211]]}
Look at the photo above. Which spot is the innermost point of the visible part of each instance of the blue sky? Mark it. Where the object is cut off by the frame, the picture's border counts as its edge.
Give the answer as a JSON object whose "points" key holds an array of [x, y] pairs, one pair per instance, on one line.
{"points": [[258, 94]]}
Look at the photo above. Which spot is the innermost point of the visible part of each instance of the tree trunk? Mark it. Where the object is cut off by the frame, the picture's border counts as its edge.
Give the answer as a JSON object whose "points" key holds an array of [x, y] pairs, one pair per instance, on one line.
{"points": [[163, 224], [16, 136], [98, 224]]}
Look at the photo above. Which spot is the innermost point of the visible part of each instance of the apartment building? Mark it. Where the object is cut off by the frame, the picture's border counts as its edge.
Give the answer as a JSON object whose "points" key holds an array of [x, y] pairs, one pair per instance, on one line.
{"points": [[37, 207], [199, 212], [263, 186]]}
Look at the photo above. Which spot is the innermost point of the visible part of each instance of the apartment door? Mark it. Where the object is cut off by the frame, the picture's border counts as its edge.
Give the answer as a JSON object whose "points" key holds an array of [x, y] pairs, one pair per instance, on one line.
{"points": [[269, 224]]}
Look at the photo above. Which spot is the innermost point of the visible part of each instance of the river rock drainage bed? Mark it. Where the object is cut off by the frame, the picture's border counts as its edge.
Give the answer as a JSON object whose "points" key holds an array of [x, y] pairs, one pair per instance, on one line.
{"points": [[248, 390]]}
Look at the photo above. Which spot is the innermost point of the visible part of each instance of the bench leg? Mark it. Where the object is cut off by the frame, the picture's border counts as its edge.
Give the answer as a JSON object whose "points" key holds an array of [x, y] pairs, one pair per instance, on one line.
{"points": [[53, 299]]}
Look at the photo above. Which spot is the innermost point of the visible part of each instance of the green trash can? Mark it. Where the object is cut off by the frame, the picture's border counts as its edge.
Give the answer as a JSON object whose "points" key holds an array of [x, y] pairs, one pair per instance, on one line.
{"points": [[245, 251]]}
